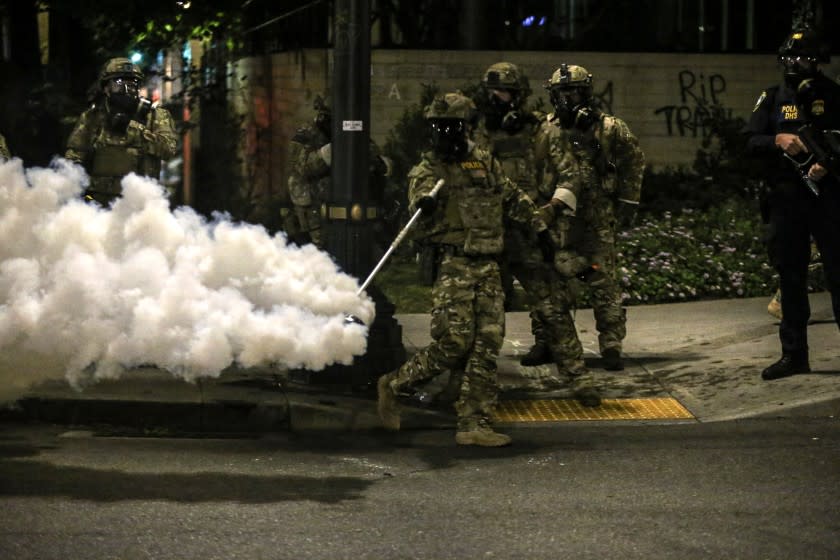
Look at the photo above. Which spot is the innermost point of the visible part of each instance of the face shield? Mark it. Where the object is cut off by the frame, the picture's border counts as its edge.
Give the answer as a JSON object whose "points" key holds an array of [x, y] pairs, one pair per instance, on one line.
{"points": [[798, 68], [449, 138], [122, 94]]}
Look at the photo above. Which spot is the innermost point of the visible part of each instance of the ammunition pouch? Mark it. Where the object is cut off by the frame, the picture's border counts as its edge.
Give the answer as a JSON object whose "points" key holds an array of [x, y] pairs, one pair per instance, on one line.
{"points": [[114, 161], [569, 264]]}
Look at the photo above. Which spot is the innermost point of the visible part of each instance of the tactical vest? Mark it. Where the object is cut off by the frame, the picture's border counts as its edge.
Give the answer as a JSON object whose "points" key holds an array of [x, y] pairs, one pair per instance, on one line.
{"points": [[516, 154], [114, 157], [470, 207]]}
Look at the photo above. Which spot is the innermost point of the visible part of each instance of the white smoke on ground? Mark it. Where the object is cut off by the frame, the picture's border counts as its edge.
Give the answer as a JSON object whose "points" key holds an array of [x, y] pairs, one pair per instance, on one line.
{"points": [[87, 292]]}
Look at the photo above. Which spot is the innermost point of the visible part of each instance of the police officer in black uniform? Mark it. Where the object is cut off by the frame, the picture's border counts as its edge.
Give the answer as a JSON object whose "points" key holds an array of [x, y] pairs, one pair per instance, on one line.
{"points": [[803, 198]]}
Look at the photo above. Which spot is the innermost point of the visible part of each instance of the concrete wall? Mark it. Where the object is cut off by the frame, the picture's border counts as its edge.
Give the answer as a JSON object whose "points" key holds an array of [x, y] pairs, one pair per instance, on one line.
{"points": [[657, 94]]}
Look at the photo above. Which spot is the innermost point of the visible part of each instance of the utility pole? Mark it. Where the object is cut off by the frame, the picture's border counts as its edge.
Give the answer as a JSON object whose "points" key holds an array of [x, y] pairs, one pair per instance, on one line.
{"points": [[353, 208]]}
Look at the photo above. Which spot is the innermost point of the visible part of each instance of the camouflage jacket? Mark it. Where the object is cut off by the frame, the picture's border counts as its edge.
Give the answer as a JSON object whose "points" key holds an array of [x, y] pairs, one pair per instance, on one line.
{"points": [[4, 150], [594, 169], [108, 156], [475, 204], [309, 172], [516, 153]]}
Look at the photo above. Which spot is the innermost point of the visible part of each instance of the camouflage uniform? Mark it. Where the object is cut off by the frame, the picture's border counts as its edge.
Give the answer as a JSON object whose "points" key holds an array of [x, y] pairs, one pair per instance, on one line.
{"points": [[310, 177], [4, 150], [468, 302], [466, 227], [509, 134], [598, 163], [109, 153]]}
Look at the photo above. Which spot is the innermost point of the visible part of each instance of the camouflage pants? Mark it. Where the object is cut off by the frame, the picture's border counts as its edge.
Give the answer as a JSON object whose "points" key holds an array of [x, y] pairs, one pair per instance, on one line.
{"points": [[561, 333], [467, 329], [309, 221], [610, 316], [598, 247], [535, 277]]}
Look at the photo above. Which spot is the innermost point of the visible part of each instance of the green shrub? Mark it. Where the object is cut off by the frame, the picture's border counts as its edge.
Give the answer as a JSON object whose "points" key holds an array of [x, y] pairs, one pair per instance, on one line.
{"points": [[695, 255]]}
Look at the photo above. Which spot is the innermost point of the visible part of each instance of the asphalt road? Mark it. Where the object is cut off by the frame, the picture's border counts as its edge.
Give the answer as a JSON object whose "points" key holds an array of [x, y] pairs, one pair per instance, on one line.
{"points": [[748, 489]]}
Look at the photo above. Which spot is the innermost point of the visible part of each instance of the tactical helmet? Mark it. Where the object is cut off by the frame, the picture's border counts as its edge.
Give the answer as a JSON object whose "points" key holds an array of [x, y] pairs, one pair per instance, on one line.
{"points": [[453, 105], [570, 92], [570, 76], [806, 43], [119, 68], [506, 75]]}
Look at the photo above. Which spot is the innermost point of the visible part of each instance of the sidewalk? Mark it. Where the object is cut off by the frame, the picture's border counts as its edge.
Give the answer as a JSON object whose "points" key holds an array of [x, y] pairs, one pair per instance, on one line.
{"points": [[706, 355]]}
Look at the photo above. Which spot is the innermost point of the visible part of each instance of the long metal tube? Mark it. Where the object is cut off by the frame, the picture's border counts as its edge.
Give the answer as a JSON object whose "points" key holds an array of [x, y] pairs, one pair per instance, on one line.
{"points": [[400, 236]]}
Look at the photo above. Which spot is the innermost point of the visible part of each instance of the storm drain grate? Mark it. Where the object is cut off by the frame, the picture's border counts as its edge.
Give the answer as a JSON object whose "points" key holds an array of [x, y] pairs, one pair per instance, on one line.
{"points": [[556, 410]]}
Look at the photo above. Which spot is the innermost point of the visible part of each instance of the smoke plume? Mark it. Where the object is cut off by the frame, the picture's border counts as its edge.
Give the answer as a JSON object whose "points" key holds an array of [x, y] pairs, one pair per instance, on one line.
{"points": [[86, 292]]}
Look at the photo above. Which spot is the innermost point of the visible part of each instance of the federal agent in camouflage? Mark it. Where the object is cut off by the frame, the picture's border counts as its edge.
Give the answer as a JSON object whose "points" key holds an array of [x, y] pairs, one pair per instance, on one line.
{"points": [[121, 133], [310, 176], [4, 150], [465, 224], [596, 167], [509, 133]]}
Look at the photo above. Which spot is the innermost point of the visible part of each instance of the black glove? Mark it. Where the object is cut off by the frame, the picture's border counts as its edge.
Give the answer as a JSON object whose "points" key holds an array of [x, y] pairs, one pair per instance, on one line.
{"points": [[587, 273], [427, 204], [546, 246]]}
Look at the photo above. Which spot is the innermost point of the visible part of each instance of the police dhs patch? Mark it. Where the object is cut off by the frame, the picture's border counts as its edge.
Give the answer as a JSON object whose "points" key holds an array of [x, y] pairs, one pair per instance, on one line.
{"points": [[818, 107]]}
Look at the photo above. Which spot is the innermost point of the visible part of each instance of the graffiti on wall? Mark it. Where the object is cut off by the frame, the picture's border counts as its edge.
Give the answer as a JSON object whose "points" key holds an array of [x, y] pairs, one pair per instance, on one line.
{"points": [[699, 100]]}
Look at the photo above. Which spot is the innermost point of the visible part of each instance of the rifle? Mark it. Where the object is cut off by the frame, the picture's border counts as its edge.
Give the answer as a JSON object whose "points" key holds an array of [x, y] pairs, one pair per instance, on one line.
{"points": [[824, 145], [802, 164]]}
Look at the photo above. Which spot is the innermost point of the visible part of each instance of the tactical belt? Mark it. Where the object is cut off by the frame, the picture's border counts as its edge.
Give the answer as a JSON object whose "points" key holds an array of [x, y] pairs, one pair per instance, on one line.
{"points": [[456, 251]]}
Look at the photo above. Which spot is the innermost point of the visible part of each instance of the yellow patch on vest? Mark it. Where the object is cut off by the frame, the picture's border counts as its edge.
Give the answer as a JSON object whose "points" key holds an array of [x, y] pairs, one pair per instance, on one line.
{"points": [[790, 112]]}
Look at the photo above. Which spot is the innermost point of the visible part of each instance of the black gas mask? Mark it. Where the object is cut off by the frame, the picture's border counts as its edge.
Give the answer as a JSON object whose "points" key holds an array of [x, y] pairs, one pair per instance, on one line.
{"points": [[798, 68], [449, 138], [503, 111], [573, 108], [122, 100]]}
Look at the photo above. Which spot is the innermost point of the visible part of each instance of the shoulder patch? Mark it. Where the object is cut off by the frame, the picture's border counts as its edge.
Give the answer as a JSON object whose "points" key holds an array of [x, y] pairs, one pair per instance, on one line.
{"points": [[760, 100]]}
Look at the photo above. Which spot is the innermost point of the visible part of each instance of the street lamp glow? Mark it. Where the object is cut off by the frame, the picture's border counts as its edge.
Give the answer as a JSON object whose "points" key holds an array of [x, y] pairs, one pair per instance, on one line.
{"points": [[136, 57]]}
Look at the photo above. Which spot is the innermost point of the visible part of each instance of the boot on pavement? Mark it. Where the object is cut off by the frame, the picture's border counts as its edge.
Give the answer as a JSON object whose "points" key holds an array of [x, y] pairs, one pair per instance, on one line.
{"points": [[612, 359], [386, 403], [480, 433], [538, 355], [583, 389], [789, 364], [587, 395]]}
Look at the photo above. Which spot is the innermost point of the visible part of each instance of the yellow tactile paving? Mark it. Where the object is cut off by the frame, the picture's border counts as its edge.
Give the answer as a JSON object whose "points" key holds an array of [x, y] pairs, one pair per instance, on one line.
{"points": [[558, 410]]}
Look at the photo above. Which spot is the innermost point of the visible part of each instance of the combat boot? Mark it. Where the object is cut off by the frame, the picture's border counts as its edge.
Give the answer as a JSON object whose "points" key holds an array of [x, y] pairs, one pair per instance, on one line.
{"points": [[386, 404], [480, 433], [538, 355], [583, 389], [789, 364], [612, 359]]}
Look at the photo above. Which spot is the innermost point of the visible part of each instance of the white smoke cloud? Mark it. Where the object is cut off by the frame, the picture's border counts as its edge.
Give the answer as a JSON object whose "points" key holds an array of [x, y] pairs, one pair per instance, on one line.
{"points": [[87, 292]]}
